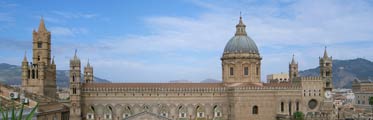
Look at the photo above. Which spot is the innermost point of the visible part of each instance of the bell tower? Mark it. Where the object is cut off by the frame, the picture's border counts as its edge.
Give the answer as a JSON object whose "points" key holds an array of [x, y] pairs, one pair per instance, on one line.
{"points": [[39, 76], [75, 85], [326, 74], [326, 63], [41, 44], [293, 69], [88, 73]]}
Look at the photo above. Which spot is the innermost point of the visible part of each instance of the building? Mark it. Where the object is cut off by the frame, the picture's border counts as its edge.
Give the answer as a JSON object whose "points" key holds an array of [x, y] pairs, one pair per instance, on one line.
{"points": [[363, 90], [240, 96], [278, 78], [39, 76]]}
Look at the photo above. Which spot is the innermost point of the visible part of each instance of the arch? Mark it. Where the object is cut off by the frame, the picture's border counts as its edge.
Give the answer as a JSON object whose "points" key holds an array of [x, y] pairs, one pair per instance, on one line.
{"points": [[127, 111], [200, 111], [164, 110], [146, 107], [108, 112], [297, 105], [217, 111], [90, 112], [282, 107], [33, 74], [255, 110], [182, 111]]}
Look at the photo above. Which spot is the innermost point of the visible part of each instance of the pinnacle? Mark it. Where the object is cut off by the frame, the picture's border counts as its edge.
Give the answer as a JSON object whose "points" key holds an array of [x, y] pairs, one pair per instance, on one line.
{"points": [[292, 60], [24, 57], [42, 25], [88, 65], [53, 60], [325, 53]]}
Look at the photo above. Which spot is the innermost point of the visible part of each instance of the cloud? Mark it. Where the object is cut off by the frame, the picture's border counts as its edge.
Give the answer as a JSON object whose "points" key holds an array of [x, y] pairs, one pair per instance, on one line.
{"points": [[300, 27], [75, 15], [180, 47], [68, 32]]}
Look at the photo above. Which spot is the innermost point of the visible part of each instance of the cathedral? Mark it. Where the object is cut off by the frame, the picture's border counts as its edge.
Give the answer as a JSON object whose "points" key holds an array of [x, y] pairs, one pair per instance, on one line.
{"points": [[240, 96]]}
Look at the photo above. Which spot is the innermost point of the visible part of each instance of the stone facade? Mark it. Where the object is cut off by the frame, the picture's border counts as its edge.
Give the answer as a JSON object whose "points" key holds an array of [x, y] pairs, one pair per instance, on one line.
{"points": [[363, 90], [240, 96], [278, 78]]}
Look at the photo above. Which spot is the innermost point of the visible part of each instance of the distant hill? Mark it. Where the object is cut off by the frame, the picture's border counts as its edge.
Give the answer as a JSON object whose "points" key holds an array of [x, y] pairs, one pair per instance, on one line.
{"points": [[11, 75], [345, 71]]}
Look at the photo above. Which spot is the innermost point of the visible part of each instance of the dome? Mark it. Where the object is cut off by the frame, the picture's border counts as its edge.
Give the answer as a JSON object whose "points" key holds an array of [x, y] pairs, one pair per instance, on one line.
{"points": [[240, 42]]}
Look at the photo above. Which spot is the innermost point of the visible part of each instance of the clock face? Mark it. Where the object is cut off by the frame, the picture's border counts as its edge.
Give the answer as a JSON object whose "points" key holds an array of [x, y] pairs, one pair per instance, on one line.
{"points": [[328, 94]]}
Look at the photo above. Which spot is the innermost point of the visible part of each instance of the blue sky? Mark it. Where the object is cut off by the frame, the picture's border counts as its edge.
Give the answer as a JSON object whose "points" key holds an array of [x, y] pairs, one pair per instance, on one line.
{"points": [[159, 41]]}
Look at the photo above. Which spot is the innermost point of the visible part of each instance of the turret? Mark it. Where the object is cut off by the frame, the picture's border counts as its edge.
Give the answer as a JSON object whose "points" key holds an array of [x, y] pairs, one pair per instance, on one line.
{"points": [[326, 65], [293, 69], [75, 109], [88, 73], [25, 70], [41, 44]]}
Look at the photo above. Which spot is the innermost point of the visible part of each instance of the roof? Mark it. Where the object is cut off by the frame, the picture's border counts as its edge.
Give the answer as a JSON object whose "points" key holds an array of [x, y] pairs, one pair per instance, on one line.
{"points": [[240, 42], [183, 85], [153, 85]]}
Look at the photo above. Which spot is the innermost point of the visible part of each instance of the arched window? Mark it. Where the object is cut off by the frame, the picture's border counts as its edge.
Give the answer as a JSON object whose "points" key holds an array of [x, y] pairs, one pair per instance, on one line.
{"points": [[297, 106], [28, 73], [257, 70], [39, 44], [231, 71], [108, 113], [217, 111], [255, 110], [164, 111], [37, 74], [91, 113], [246, 70], [282, 106], [33, 74], [182, 112], [200, 112], [127, 112], [74, 90]]}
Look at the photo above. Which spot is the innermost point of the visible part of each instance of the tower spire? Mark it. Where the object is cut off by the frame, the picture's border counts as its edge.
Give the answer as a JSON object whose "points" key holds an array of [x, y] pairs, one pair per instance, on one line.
{"points": [[53, 60], [325, 53], [24, 57], [240, 28], [292, 60], [88, 65], [75, 57], [42, 25]]}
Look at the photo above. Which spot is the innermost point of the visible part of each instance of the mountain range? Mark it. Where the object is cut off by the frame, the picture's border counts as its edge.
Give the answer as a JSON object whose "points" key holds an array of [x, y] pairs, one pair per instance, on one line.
{"points": [[344, 72], [11, 75]]}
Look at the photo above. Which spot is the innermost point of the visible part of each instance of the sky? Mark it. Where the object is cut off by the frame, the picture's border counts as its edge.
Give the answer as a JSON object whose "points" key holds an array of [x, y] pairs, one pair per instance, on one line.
{"points": [[164, 40]]}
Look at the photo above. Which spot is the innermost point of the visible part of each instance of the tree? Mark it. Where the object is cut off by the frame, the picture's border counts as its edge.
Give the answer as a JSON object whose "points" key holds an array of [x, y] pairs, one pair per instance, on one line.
{"points": [[298, 115], [5, 113]]}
